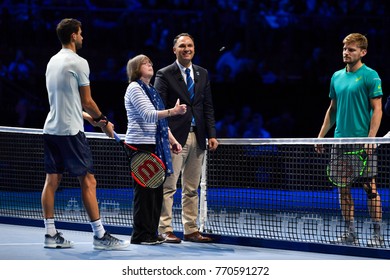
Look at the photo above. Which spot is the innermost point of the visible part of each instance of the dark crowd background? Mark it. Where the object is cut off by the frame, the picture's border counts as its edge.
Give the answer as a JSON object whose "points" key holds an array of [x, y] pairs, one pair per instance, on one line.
{"points": [[270, 62]]}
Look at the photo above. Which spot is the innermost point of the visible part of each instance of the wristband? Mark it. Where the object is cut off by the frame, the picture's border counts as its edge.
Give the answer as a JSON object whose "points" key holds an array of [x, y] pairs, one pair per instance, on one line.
{"points": [[101, 118]]}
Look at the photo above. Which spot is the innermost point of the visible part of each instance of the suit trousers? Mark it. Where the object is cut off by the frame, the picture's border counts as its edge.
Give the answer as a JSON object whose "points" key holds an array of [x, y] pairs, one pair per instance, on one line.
{"points": [[188, 163]]}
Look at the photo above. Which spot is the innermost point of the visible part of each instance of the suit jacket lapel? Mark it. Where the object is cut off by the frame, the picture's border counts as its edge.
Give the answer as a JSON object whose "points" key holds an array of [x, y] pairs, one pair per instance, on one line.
{"points": [[196, 80]]}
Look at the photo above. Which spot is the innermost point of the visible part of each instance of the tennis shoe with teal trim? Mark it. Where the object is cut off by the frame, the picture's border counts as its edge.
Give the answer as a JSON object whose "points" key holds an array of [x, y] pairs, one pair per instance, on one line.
{"points": [[109, 242], [376, 241], [348, 238], [57, 241]]}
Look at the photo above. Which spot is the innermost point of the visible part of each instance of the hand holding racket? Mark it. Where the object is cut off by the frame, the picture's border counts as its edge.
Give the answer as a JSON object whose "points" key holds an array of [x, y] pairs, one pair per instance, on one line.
{"points": [[147, 169], [343, 170]]}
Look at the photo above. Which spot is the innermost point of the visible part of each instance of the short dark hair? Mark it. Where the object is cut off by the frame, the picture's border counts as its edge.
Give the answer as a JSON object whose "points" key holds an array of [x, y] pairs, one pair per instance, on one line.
{"points": [[66, 28], [180, 35]]}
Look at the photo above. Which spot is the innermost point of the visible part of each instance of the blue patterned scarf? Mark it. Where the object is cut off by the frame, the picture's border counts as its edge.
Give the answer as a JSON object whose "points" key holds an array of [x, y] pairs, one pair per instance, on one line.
{"points": [[162, 139]]}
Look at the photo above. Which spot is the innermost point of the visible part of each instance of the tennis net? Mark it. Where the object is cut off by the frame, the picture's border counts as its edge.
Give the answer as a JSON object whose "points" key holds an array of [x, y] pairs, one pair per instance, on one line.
{"points": [[273, 189]]}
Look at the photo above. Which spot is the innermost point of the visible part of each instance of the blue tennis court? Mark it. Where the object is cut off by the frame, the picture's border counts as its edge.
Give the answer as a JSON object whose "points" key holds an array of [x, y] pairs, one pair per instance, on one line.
{"points": [[26, 243], [23, 256]]}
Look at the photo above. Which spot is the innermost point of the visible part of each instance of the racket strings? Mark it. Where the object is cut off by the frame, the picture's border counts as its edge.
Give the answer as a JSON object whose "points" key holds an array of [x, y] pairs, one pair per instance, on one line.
{"points": [[346, 168], [147, 170]]}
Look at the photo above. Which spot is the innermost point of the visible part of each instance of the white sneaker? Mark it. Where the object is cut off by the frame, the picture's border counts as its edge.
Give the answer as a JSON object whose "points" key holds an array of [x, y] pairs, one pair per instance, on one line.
{"points": [[348, 238], [376, 241], [57, 241], [109, 242]]}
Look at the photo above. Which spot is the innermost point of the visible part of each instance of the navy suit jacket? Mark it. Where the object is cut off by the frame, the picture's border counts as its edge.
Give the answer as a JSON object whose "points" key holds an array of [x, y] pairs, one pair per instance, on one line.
{"points": [[170, 84]]}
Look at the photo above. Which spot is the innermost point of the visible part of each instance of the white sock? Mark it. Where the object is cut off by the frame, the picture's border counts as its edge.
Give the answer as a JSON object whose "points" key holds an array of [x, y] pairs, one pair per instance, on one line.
{"points": [[97, 228], [50, 226]]}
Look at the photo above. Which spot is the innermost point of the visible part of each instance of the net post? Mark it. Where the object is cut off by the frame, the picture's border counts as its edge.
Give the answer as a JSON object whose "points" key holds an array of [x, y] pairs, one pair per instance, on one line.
{"points": [[203, 196]]}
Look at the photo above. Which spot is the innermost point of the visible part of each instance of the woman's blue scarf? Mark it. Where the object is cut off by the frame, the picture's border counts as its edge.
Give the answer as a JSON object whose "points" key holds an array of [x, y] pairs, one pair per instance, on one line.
{"points": [[162, 139]]}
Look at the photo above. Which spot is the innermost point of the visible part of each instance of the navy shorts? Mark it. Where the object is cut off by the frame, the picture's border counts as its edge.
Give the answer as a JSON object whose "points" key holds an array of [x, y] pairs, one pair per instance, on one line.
{"points": [[67, 153]]}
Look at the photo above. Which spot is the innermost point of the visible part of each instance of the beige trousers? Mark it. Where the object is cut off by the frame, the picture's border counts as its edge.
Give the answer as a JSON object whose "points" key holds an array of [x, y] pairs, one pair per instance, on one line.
{"points": [[189, 164]]}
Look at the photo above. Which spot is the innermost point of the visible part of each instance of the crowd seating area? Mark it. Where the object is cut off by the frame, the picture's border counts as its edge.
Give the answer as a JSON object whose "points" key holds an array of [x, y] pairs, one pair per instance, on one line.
{"points": [[283, 51]]}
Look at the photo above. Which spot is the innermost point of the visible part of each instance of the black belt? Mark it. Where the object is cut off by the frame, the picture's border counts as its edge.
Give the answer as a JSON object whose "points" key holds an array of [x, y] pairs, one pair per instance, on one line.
{"points": [[192, 128]]}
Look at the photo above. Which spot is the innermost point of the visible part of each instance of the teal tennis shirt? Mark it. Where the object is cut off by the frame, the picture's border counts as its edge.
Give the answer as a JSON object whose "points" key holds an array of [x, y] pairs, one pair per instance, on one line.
{"points": [[352, 92]]}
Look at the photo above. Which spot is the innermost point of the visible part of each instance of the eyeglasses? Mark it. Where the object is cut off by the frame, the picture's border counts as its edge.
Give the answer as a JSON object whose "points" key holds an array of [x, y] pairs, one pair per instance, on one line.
{"points": [[147, 63]]}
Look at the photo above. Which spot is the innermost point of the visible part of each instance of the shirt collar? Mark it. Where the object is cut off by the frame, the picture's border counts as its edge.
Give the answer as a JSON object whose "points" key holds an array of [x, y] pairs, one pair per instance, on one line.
{"points": [[182, 68]]}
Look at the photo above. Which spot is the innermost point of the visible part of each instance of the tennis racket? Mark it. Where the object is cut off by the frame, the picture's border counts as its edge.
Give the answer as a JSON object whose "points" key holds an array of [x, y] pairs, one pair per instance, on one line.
{"points": [[146, 168], [343, 170]]}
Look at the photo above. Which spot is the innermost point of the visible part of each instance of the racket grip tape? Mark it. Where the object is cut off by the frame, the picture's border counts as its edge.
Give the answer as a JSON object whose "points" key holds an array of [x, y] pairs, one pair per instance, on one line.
{"points": [[116, 136]]}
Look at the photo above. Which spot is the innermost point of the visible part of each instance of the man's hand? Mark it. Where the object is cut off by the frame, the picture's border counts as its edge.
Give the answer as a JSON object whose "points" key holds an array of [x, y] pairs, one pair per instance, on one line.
{"points": [[319, 148], [176, 148], [213, 144], [369, 148]]}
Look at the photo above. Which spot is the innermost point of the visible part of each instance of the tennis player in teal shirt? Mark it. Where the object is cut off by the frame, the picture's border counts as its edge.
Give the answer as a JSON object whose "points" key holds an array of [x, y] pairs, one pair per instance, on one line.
{"points": [[356, 110], [352, 90]]}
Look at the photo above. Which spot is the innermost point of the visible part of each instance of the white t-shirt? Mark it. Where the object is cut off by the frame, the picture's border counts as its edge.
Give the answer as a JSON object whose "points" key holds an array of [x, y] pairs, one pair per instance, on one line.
{"points": [[65, 73]]}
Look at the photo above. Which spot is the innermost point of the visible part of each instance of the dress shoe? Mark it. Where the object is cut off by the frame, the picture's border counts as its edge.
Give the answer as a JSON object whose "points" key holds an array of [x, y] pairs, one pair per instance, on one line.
{"points": [[169, 237], [197, 237]]}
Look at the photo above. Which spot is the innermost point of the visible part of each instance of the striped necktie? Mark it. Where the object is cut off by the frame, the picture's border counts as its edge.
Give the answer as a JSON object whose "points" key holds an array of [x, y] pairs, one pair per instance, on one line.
{"points": [[191, 91], [190, 83]]}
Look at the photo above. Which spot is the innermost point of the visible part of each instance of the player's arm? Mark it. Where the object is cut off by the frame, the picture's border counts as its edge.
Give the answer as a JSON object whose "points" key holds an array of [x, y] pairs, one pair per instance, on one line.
{"points": [[329, 121], [376, 105], [88, 103], [93, 111], [88, 118]]}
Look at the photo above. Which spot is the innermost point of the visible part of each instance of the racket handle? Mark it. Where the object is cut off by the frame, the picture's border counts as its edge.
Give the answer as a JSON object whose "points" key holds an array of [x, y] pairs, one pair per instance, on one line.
{"points": [[116, 137]]}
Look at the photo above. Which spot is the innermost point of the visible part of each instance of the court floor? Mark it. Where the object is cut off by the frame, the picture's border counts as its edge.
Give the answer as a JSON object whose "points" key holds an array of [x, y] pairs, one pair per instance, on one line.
{"points": [[22, 256], [26, 243]]}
